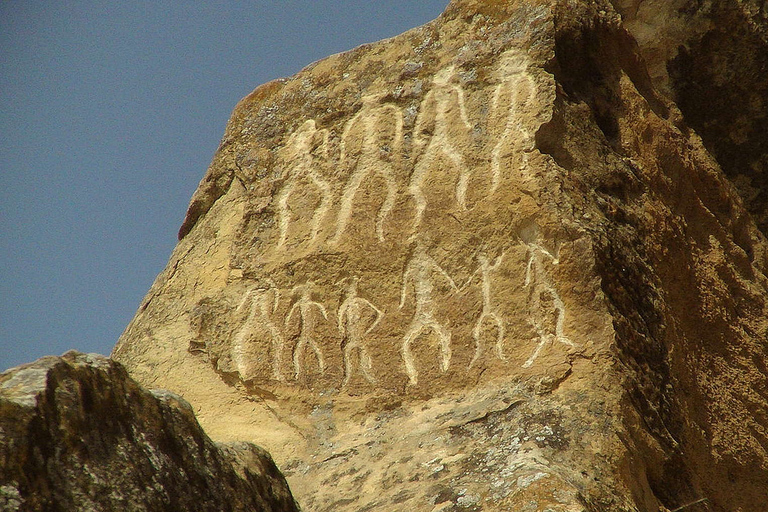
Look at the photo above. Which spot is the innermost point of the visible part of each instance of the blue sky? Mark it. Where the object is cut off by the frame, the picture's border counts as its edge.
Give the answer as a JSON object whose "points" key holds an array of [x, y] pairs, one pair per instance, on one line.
{"points": [[110, 113]]}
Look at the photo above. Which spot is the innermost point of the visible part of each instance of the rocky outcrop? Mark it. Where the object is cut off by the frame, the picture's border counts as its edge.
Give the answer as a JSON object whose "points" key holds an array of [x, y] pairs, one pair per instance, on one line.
{"points": [[485, 265], [712, 59], [76, 433]]}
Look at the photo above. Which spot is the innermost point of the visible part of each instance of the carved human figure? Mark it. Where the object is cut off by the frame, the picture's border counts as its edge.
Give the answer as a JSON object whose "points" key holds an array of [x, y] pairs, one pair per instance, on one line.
{"points": [[419, 274], [490, 312], [377, 149], [514, 92], [307, 323], [299, 152], [540, 286], [443, 105], [263, 304], [354, 327]]}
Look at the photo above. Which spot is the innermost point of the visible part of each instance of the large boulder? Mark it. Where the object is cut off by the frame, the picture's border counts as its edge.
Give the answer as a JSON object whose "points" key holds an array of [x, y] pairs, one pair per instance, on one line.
{"points": [[76, 433], [484, 265]]}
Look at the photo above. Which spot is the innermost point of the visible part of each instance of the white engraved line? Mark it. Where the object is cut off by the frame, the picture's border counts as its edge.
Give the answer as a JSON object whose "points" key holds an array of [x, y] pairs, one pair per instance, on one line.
{"points": [[513, 123], [489, 311], [536, 276], [305, 304], [438, 143], [301, 143], [369, 163], [260, 307], [349, 318], [419, 274]]}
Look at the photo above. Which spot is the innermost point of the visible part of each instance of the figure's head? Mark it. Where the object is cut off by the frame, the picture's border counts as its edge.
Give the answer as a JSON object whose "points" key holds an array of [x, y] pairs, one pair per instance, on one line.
{"points": [[444, 76], [512, 62]]}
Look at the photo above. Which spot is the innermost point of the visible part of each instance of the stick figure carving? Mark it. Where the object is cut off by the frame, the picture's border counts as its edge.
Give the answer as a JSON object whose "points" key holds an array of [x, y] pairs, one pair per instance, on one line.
{"points": [[538, 282], [514, 92], [263, 305], [353, 330], [299, 150], [490, 311], [447, 98], [370, 117], [419, 274], [304, 305]]}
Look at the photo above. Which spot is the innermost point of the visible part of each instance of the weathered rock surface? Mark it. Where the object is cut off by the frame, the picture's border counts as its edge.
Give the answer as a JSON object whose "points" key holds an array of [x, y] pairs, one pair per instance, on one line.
{"points": [[76, 433], [484, 265], [712, 58]]}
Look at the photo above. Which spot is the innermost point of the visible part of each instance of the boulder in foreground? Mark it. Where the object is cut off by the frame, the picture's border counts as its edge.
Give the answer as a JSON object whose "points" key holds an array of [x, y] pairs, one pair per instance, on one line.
{"points": [[76, 433]]}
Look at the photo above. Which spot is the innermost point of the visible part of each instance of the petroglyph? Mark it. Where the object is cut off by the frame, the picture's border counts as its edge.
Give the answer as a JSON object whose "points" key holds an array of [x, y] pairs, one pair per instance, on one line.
{"points": [[369, 119], [354, 327], [304, 305], [419, 274], [299, 153], [540, 288], [263, 305], [515, 90], [444, 105], [490, 312]]}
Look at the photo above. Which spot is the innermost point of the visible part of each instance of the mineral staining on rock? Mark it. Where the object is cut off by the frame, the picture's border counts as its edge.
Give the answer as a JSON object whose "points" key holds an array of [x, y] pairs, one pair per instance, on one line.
{"points": [[76, 433], [467, 268]]}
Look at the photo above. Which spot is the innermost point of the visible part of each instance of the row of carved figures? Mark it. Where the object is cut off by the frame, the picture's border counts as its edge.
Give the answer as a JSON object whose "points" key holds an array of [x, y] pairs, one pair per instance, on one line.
{"points": [[357, 317], [444, 105]]}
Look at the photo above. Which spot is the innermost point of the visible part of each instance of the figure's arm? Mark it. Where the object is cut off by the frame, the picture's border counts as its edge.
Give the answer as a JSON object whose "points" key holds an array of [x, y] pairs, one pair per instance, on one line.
{"points": [[470, 278], [322, 310], [447, 277], [341, 316], [497, 262], [398, 129], [345, 134], [290, 314], [379, 315], [529, 266], [245, 299], [417, 139], [404, 289], [463, 107]]}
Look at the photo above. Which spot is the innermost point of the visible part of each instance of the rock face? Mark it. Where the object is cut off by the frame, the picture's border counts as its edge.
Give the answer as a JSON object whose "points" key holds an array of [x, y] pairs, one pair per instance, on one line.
{"points": [[485, 265], [76, 433], [712, 58]]}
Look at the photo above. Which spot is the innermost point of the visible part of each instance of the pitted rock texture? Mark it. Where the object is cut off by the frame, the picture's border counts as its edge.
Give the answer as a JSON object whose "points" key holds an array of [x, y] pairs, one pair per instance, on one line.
{"points": [[712, 58], [76, 433], [484, 265]]}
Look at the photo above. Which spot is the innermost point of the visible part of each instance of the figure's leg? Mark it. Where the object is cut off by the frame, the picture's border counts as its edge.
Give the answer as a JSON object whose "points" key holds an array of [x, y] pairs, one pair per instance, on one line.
{"points": [[445, 345], [345, 210], [476, 335], [537, 313], [499, 335], [366, 364], [347, 363], [389, 203], [535, 354], [283, 213], [414, 188], [410, 368], [463, 182], [560, 309], [318, 354], [297, 357], [277, 353], [322, 209]]}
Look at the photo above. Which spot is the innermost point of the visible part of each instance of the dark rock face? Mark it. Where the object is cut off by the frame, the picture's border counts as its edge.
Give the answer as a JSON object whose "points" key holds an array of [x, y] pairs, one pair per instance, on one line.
{"points": [[76, 433], [711, 58]]}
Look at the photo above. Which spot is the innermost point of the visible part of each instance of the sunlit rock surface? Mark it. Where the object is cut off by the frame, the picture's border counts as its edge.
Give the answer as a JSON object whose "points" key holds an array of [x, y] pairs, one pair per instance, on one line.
{"points": [[484, 265]]}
